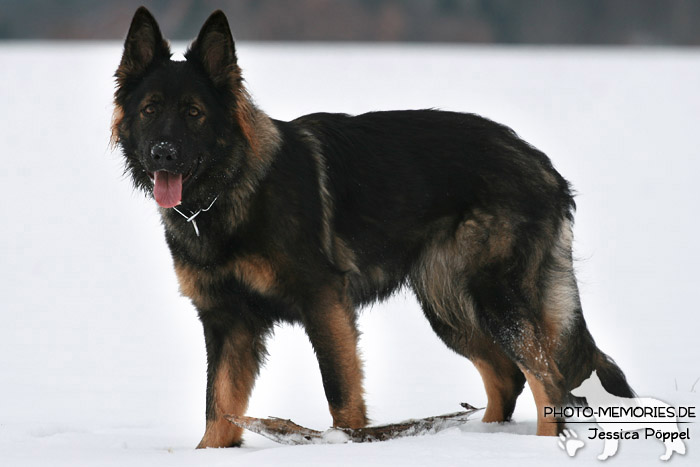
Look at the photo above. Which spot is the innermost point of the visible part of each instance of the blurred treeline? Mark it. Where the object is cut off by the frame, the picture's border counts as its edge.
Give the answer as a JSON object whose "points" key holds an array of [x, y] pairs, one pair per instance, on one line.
{"points": [[655, 22]]}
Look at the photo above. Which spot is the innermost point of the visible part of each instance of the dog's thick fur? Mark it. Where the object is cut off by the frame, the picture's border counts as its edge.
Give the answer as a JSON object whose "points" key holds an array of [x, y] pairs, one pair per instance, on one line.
{"points": [[316, 217]]}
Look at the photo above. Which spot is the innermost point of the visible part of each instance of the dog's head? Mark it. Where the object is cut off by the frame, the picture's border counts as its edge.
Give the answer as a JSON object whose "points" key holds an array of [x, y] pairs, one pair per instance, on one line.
{"points": [[182, 122]]}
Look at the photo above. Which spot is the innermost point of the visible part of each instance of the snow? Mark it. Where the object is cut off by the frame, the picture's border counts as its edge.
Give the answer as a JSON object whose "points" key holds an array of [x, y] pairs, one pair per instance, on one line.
{"points": [[102, 362]]}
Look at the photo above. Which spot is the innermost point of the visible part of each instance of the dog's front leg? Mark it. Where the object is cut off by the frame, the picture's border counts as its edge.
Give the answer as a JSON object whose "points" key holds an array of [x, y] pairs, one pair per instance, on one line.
{"points": [[235, 350], [330, 325]]}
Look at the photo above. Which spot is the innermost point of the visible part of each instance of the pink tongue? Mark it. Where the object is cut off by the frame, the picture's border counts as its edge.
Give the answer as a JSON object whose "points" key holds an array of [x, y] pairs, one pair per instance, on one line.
{"points": [[167, 189]]}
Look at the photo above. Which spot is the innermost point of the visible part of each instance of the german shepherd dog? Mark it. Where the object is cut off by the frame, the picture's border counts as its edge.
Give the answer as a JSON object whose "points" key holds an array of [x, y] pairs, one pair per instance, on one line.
{"points": [[305, 221]]}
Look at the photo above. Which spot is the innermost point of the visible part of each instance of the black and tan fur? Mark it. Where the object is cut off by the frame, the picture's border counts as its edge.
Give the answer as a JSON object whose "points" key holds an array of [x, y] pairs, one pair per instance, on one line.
{"points": [[324, 214]]}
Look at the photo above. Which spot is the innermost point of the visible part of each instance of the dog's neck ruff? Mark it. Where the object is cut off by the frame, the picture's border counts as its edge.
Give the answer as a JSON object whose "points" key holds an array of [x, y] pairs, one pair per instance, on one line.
{"points": [[193, 215]]}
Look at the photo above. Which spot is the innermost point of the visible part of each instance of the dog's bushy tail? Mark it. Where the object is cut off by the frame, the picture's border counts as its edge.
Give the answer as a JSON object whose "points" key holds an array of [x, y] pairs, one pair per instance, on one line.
{"points": [[582, 356], [612, 377]]}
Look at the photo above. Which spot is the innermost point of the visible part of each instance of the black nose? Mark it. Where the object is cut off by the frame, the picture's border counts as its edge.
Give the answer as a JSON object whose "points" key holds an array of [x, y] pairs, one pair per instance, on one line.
{"points": [[164, 152]]}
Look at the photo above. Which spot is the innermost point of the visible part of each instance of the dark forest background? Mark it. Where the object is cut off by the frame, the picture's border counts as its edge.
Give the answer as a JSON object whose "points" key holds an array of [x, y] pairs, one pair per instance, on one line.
{"points": [[625, 22]]}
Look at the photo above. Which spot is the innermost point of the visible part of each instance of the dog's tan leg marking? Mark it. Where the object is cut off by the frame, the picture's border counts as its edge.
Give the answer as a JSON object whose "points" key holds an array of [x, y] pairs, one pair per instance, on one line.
{"points": [[548, 426], [494, 391], [342, 331], [501, 390], [333, 334], [233, 383], [219, 431], [256, 272]]}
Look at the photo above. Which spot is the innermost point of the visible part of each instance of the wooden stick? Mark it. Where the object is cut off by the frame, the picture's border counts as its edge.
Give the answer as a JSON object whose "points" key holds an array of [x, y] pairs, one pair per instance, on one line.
{"points": [[287, 432]]}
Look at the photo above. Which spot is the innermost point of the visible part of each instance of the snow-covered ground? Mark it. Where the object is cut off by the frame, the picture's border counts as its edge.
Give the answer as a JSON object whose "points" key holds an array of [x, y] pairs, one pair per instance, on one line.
{"points": [[102, 363]]}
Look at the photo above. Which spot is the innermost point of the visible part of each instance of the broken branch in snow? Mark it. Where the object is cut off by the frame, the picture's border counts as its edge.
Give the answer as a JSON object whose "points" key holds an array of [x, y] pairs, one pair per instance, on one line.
{"points": [[287, 432]]}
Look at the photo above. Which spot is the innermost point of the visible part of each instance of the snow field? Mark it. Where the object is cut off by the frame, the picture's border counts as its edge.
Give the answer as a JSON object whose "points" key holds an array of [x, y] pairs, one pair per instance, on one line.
{"points": [[102, 363]]}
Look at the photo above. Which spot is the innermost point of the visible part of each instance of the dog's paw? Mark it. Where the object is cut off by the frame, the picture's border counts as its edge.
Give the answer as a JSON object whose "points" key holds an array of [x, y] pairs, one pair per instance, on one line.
{"points": [[569, 442]]}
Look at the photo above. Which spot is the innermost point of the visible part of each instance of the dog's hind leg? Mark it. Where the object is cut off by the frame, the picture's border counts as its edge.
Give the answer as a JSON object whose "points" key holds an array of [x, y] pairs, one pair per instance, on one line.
{"points": [[506, 313], [502, 379], [441, 281], [528, 301], [503, 382]]}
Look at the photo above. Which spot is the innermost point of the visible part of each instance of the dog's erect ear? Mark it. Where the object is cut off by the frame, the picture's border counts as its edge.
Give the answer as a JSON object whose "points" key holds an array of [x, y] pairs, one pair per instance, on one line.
{"points": [[144, 45], [215, 50]]}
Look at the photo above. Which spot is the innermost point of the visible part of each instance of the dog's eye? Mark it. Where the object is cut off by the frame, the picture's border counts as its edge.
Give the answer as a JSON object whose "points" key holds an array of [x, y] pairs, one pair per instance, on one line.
{"points": [[150, 109], [193, 111]]}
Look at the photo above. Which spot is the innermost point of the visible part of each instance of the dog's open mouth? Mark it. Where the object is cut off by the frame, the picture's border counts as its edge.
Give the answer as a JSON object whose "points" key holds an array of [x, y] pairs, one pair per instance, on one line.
{"points": [[167, 187]]}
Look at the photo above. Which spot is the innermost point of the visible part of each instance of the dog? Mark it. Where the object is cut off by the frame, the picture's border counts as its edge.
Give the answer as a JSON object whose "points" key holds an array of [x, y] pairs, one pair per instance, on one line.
{"points": [[614, 427], [308, 220]]}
